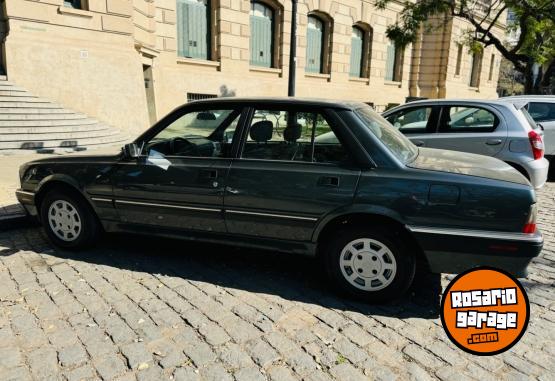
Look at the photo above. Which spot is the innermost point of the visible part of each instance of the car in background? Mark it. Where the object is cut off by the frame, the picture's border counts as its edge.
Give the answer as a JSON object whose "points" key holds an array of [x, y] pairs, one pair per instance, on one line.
{"points": [[486, 127], [327, 179], [542, 109]]}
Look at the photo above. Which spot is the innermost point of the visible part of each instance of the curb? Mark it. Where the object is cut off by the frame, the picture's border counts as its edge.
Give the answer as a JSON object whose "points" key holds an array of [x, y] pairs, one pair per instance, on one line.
{"points": [[16, 221]]}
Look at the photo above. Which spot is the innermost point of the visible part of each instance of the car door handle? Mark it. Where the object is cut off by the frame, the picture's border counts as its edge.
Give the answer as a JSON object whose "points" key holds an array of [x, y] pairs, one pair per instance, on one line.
{"points": [[209, 173], [494, 142], [328, 181], [418, 143]]}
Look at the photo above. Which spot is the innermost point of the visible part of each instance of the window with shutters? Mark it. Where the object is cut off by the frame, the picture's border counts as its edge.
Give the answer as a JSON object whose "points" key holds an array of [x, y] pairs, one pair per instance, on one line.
{"points": [[394, 63], [357, 52], [262, 35], [193, 29], [315, 45], [459, 59], [491, 66], [475, 69]]}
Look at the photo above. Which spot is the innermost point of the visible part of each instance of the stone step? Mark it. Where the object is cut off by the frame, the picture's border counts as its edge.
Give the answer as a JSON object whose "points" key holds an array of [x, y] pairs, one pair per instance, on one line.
{"points": [[44, 136], [40, 123], [3, 77], [23, 98], [53, 129], [42, 116], [33, 111], [26, 105], [12, 91], [111, 138]]}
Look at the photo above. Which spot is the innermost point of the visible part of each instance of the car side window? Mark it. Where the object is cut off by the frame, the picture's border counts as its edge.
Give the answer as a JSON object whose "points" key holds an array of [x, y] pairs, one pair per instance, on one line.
{"points": [[542, 112], [468, 119], [292, 136], [412, 120], [204, 133]]}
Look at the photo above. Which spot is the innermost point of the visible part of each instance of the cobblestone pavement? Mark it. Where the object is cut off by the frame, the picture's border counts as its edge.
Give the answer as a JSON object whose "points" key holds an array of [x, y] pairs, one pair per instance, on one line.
{"points": [[138, 308]]}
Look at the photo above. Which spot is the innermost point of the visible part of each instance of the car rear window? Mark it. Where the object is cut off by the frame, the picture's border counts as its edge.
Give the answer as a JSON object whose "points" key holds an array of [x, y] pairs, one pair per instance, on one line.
{"points": [[395, 141]]}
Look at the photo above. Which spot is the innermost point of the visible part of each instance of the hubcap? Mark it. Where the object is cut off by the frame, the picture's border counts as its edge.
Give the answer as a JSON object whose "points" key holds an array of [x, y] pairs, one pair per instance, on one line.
{"points": [[368, 264], [64, 220]]}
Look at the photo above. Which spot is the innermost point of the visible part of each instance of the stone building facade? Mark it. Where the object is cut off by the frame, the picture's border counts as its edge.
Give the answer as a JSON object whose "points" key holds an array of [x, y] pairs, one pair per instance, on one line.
{"points": [[129, 62]]}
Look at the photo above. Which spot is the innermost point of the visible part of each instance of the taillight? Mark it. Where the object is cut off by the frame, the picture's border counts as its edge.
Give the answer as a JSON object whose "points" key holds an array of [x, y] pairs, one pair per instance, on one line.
{"points": [[530, 225], [537, 144]]}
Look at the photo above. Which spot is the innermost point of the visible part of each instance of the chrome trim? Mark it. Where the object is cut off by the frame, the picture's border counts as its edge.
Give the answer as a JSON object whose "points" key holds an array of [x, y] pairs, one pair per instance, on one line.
{"points": [[534, 237], [101, 199], [24, 192], [271, 215], [168, 206]]}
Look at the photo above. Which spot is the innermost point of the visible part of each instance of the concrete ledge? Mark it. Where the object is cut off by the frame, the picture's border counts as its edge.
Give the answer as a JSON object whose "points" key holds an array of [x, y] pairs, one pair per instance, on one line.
{"points": [[16, 221]]}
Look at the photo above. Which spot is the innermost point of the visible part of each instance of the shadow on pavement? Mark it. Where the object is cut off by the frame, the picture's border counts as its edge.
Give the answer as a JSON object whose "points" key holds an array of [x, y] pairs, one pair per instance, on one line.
{"points": [[291, 277]]}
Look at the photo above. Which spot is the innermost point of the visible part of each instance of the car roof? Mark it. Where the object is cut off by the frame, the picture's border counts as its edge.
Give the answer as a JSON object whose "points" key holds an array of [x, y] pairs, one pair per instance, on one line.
{"points": [[313, 102], [527, 98], [426, 102]]}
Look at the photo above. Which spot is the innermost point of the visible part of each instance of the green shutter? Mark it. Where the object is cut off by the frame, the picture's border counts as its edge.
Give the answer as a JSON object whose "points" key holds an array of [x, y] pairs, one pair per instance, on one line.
{"points": [[356, 57], [390, 63], [261, 41], [192, 29], [314, 50]]}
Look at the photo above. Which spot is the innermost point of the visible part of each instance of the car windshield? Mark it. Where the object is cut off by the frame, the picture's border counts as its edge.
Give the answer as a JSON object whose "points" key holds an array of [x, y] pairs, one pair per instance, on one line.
{"points": [[395, 141]]}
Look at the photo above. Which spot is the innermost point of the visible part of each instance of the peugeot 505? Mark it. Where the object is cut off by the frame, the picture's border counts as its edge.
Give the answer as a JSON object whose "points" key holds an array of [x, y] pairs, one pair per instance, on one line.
{"points": [[328, 179]]}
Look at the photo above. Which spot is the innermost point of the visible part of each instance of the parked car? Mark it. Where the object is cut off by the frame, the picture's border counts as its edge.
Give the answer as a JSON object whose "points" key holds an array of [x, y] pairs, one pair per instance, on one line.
{"points": [[542, 109], [492, 128], [328, 179]]}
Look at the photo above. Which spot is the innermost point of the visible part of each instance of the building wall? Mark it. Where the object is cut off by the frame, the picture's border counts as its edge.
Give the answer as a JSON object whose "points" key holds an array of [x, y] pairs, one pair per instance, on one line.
{"points": [[93, 60]]}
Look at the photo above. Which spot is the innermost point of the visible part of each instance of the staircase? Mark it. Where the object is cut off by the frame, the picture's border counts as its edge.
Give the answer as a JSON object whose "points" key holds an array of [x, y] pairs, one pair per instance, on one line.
{"points": [[31, 123]]}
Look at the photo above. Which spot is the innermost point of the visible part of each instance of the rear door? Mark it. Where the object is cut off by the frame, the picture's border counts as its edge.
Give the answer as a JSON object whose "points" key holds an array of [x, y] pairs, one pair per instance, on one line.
{"points": [[544, 114], [418, 123], [469, 128], [292, 170]]}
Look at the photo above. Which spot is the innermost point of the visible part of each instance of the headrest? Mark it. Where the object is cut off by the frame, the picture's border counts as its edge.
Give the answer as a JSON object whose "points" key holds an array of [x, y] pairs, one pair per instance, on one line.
{"points": [[262, 131], [292, 132]]}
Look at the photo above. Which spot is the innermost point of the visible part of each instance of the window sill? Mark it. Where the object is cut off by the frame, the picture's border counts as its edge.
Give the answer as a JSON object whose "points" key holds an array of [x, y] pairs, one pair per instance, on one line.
{"points": [[393, 83], [195, 61], [318, 75], [360, 79], [263, 69], [472, 88], [74, 12]]}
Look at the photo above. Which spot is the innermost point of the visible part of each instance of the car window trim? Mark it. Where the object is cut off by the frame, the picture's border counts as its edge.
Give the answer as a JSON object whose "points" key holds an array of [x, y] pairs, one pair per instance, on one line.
{"points": [[236, 110], [405, 110], [444, 115], [300, 108]]}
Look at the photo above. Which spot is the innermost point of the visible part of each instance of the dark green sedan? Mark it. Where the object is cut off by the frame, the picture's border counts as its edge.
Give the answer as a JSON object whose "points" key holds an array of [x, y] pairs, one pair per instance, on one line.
{"points": [[321, 178]]}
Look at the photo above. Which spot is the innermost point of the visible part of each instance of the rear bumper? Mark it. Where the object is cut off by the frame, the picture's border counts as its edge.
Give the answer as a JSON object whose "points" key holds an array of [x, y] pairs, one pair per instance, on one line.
{"points": [[27, 200], [538, 171], [457, 250]]}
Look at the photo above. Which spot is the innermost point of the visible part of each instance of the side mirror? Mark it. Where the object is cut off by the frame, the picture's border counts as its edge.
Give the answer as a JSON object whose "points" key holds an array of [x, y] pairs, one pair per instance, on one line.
{"points": [[131, 151]]}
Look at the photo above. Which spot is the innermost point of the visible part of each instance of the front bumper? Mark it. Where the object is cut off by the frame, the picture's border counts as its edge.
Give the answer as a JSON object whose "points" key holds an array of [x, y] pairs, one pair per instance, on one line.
{"points": [[458, 250], [27, 199]]}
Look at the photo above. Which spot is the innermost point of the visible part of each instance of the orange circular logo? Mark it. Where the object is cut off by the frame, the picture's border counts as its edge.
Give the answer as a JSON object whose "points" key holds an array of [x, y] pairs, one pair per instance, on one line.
{"points": [[485, 311]]}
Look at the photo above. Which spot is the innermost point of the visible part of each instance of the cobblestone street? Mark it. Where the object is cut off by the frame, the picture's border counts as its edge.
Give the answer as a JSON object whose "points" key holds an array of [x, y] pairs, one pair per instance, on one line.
{"points": [[150, 309]]}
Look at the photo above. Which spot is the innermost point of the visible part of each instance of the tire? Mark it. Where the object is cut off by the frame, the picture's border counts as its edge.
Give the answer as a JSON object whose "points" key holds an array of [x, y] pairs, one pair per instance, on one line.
{"points": [[370, 264], [78, 225]]}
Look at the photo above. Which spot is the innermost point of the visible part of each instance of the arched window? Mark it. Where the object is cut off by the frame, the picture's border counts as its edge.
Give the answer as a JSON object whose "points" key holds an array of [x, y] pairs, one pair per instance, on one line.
{"points": [[315, 45], [394, 63], [193, 29], [262, 35], [357, 52]]}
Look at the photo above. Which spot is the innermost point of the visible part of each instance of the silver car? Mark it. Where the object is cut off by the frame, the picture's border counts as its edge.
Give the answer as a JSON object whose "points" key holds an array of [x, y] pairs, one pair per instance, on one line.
{"points": [[542, 109], [493, 128]]}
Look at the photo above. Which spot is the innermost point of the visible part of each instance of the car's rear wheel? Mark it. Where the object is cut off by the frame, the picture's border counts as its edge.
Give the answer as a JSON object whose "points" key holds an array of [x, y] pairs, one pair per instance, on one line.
{"points": [[68, 220], [369, 263]]}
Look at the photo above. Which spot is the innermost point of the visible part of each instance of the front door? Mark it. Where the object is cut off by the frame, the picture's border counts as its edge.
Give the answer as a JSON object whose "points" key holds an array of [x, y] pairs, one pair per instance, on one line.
{"points": [[418, 123], [179, 181], [292, 171]]}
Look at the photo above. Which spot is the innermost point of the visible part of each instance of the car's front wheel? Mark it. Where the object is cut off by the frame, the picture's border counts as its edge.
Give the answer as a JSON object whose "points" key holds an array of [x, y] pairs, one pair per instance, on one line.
{"points": [[68, 220], [369, 263]]}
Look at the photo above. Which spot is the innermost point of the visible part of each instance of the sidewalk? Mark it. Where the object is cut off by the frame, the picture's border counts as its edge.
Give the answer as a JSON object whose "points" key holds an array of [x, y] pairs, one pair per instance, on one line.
{"points": [[11, 212]]}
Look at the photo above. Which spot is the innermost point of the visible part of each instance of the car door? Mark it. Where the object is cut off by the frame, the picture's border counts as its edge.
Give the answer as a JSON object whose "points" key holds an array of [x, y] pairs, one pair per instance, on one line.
{"points": [[470, 128], [179, 181], [418, 123], [291, 171], [544, 114]]}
